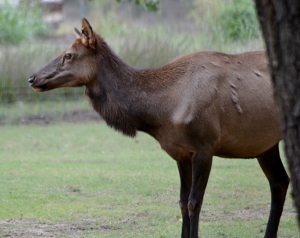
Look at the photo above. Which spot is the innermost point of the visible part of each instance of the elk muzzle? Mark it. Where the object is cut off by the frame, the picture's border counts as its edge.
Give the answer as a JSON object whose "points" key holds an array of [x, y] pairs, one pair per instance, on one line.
{"points": [[39, 87]]}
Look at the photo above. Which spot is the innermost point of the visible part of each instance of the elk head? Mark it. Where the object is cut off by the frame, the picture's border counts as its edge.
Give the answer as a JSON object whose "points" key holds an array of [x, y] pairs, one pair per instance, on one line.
{"points": [[74, 67]]}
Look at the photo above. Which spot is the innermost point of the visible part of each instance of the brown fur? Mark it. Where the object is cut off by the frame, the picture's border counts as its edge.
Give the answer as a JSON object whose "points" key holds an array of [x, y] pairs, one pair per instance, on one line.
{"points": [[199, 105]]}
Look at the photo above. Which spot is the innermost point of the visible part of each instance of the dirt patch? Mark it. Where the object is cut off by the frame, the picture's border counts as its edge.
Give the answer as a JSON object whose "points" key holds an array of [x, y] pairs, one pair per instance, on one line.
{"points": [[249, 214], [33, 228], [246, 214]]}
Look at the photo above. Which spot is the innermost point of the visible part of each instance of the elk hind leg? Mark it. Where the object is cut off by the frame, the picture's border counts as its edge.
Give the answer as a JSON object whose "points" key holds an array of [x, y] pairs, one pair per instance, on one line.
{"points": [[272, 166]]}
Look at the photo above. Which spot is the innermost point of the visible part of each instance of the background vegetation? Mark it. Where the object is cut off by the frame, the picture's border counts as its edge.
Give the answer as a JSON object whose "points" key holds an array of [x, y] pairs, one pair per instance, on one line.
{"points": [[228, 21], [142, 39], [20, 23]]}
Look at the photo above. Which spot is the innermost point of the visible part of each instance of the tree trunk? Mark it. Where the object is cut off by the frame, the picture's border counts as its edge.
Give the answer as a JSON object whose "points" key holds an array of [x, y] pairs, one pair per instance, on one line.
{"points": [[280, 23]]}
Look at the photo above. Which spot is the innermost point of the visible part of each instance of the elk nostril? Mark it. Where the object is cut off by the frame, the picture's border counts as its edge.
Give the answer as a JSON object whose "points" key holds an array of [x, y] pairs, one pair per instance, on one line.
{"points": [[31, 79]]}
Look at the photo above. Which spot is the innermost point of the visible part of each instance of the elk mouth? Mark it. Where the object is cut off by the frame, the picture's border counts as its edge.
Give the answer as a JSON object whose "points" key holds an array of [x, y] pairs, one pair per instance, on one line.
{"points": [[40, 84], [40, 88]]}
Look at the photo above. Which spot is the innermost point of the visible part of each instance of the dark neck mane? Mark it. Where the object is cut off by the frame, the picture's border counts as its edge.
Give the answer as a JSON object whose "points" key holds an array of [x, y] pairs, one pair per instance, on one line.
{"points": [[111, 94]]}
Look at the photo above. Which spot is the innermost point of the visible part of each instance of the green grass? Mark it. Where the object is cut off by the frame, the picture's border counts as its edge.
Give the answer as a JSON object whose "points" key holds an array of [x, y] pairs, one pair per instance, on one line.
{"points": [[85, 180]]}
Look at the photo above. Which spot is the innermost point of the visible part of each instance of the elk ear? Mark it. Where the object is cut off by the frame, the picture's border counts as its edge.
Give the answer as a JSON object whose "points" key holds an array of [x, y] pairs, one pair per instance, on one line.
{"points": [[77, 33], [88, 37]]}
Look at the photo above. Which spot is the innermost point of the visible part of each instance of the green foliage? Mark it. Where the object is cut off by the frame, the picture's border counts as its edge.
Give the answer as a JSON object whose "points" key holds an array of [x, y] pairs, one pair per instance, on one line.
{"points": [[150, 5], [226, 20], [18, 23], [238, 21]]}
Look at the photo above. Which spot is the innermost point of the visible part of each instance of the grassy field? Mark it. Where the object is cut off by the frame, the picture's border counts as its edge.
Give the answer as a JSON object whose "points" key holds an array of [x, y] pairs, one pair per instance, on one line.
{"points": [[85, 180]]}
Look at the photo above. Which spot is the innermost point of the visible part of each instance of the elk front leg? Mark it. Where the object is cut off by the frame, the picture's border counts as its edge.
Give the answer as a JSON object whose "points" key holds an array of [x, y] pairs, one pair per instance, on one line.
{"points": [[185, 172], [201, 166]]}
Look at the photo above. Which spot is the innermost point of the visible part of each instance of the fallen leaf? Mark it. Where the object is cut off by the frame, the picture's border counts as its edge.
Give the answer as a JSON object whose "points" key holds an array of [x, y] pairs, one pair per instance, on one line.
{"points": [[179, 218]]}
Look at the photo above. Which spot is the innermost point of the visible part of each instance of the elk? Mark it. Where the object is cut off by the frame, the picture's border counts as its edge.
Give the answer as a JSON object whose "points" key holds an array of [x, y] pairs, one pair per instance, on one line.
{"points": [[199, 105]]}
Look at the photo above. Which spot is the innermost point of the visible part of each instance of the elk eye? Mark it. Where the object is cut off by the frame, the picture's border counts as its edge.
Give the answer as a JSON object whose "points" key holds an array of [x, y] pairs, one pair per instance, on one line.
{"points": [[67, 56]]}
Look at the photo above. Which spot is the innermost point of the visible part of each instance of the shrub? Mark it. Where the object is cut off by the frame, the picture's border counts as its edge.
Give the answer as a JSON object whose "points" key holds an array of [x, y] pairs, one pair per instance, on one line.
{"points": [[18, 23], [238, 21], [226, 20]]}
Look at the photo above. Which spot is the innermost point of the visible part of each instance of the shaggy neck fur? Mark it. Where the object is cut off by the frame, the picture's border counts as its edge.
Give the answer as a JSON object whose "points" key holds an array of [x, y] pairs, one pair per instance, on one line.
{"points": [[112, 94]]}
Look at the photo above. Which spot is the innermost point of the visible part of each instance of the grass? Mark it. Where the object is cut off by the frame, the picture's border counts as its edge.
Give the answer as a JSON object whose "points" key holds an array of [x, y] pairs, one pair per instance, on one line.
{"points": [[85, 180]]}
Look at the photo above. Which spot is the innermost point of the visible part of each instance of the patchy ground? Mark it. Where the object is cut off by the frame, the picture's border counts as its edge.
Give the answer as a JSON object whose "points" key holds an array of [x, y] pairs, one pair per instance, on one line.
{"points": [[74, 116], [34, 228]]}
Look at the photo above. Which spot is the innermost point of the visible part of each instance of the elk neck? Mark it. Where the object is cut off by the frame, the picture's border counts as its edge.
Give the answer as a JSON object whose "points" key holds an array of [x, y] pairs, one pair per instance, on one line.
{"points": [[125, 97]]}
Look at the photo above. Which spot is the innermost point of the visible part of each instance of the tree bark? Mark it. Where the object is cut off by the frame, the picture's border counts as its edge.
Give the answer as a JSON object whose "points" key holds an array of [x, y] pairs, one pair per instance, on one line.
{"points": [[280, 23]]}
